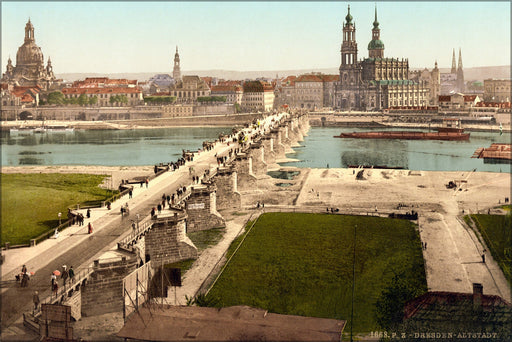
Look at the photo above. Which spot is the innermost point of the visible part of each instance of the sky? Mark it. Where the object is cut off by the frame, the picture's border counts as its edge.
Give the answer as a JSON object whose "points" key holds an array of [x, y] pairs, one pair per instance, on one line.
{"points": [[141, 36]]}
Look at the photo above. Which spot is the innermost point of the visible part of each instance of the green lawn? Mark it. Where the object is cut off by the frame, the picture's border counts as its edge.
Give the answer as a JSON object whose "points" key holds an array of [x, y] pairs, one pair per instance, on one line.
{"points": [[497, 234], [30, 203], [301, 264]]}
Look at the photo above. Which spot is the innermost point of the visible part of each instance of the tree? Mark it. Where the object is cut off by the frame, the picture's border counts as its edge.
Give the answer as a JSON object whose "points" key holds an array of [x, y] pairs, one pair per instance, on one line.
{"points": [[389, 310], [93, 100], [83, 100], [56, 97]]}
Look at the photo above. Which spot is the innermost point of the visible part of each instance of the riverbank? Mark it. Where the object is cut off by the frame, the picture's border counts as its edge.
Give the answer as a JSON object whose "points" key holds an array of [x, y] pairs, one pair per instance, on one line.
{"points": [[191, 121]]}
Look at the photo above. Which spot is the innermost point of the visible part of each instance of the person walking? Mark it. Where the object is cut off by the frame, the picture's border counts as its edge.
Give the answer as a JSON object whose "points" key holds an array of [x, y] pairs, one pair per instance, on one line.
{"points": [[35, 299], [64, 274], [71, 274], [88, 213], [147, 182], [90, 228], [130, 193]]}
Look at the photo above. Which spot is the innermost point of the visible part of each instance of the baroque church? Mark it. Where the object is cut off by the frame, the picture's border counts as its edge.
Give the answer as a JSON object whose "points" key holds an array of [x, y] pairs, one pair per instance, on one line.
{"points": [[376, 82], [29, 69]]}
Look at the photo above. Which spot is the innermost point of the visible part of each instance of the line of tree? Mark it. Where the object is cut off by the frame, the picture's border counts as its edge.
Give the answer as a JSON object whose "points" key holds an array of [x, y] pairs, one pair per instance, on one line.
{"points": [[58, 98], [211, 99], [159, 99]]}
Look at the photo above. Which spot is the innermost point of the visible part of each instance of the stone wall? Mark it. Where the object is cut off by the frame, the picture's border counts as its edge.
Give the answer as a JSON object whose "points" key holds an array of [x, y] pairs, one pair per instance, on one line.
{"points": [[166, 241], [257, 154], [268, 147], [201, 210], [279, 148], [103, 292], [228, 196], [244, 176]]}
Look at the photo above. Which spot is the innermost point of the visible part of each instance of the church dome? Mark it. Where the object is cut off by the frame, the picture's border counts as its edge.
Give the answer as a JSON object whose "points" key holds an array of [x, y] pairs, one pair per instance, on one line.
{"points": [[375, 44], [29, 53]]}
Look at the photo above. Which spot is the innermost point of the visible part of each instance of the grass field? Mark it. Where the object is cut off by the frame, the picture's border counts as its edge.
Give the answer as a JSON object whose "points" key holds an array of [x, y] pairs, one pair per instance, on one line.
{"points": [[497, 234], [30, 203], [301, 264]]}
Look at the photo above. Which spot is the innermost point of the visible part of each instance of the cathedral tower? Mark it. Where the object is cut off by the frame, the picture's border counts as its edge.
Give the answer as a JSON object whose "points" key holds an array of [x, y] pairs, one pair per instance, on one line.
{"points": [[454, 66], [460, 75], [376, 46], [176, 73], [350, 68]]}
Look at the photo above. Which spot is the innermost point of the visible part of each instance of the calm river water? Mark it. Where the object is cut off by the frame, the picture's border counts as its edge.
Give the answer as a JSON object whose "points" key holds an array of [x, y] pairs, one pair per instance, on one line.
{"points": [[319, 149]]}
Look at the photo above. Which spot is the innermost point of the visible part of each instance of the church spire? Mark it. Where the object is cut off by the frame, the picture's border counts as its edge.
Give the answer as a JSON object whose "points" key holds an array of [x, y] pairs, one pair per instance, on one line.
{"points": [[460, 60], [454, 66], [176, 72], [375, 22]]}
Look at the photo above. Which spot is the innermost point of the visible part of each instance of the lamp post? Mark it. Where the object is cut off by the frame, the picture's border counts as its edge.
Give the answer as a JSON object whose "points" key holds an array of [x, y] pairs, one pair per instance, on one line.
{"points": [[353, 285], [60, 214]]}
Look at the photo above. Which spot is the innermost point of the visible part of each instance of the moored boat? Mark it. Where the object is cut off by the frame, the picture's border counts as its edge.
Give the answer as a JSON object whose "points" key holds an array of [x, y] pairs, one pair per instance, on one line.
{"points": [[406, 135]]}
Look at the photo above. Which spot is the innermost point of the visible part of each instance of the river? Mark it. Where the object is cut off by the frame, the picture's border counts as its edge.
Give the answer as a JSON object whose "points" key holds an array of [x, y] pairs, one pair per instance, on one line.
{"points": [[318, 150]]}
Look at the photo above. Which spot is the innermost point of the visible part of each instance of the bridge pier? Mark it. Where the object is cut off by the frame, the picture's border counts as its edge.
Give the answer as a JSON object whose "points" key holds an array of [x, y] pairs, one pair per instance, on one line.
{"points": [[279, 148], [267, 143], [244, 175], [103, 292], [256, 154], [167, 242], [201, 208], [228, 196]]}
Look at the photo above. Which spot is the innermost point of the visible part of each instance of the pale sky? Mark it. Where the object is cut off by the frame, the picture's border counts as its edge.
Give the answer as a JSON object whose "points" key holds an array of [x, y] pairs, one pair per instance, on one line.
{"points": [[140, 36]]}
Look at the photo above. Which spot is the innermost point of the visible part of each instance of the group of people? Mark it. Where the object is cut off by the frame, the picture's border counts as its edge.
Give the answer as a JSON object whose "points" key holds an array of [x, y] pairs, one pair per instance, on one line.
{"points": [[64, 275], [23, 277]]}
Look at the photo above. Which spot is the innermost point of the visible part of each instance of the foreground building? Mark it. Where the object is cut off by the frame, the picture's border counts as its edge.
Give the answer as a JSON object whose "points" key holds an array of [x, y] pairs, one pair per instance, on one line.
{"points": [[376, 82], [30, 70]]}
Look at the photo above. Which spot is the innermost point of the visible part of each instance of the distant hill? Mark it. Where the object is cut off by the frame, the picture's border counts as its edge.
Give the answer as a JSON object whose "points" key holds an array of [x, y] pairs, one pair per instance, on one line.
{"points": [[470, 74]]}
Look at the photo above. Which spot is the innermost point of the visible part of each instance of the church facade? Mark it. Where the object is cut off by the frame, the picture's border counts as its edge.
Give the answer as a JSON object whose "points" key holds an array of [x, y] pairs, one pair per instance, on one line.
{"points": [[30, 69], [376, 82]]}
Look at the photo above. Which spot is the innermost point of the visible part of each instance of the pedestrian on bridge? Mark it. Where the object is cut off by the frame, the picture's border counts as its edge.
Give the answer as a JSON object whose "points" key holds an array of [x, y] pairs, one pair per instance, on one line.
{"points": [[90, 228], [35, 299], [64, 275], [71, 274]]}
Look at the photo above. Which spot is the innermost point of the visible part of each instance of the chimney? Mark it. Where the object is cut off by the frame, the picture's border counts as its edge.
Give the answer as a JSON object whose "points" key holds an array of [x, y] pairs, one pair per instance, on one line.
{"points": [[478, 291]]}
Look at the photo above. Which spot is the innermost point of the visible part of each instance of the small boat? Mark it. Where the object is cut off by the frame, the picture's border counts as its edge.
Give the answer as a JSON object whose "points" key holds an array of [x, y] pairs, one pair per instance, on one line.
{"points": [[39, 130], [60, 129]]}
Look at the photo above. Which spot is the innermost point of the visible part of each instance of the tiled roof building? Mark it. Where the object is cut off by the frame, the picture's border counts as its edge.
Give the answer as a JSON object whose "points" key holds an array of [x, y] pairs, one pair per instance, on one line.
{"points": [[458, 316], [133, 95], [258, 95], [189, 88]]}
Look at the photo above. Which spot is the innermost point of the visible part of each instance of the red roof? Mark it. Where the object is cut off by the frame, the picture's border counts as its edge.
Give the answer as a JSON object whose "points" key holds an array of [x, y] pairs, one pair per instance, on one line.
{"points": [[330, 78], [445, 98], [98, 90], [290, 80], [469, 98], [308, 78], [229, 83], [434, 298], [94, 81], [225, 88]]}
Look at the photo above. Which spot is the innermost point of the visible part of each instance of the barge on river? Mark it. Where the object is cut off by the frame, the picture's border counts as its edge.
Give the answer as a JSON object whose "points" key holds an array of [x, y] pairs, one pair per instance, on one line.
{"points": [[451, 130], [406, 135]]}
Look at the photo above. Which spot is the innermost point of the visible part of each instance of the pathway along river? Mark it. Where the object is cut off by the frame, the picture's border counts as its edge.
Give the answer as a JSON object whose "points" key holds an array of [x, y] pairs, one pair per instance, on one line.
{"points": [[318, 150]]}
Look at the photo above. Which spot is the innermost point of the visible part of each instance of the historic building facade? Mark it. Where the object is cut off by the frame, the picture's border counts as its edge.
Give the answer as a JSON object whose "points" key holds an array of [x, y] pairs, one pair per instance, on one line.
{"points": [[376, 82], [188, 88], [258, 95], [30, 69], [497, 90]]}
